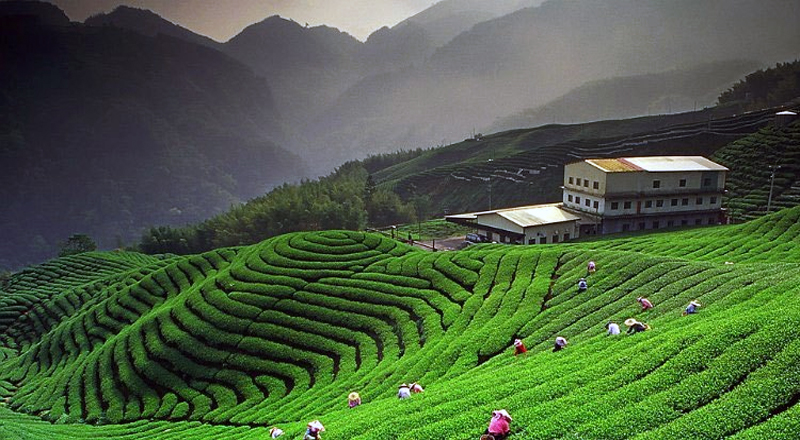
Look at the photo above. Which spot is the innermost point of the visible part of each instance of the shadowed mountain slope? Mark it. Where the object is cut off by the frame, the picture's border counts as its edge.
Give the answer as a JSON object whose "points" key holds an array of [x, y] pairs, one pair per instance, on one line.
{"points": [[148, 23], [105, 131]]}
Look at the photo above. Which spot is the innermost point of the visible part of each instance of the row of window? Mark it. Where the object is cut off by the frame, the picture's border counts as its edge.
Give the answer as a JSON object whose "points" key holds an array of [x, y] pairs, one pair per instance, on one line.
{"points": [[670, 223], [656, 183], [682, 183], [543, 240], [660, 203], [577, 181], [587, 201]]}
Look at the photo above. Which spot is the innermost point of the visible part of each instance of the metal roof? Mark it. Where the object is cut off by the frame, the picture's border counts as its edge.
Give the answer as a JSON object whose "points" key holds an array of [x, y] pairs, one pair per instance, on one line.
{"points": [[524, 216], [656, 164], [537, 215]]}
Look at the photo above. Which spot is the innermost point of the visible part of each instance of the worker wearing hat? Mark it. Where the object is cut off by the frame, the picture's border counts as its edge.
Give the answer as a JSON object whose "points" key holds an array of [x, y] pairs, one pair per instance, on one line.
{"points": [[499, 427], [635, 326], [560, 344], [519, 347], [403, 392], [313, 430], [691, 308], [275, 432], [353, 400]]}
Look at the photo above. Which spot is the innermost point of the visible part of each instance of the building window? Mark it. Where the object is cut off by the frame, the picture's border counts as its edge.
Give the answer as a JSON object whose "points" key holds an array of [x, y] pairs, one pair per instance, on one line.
{"points": [[685, 202], [659, 203], [571, 180], [577, 200], [588, 202], [682, 183], [542, 240], [656, 184], [712, 221], [684, 222], [698, 221], [586, 182], [626, 227], [674, 202], [641, 226], [531, 240], [670, 223], [566, 236], [713, 200], [555, 239], [707, 181], [648, 204], [699, 201], [626, 205], [614, 206], [569, 197], [655, 224], [596, 185], [596, 205]]}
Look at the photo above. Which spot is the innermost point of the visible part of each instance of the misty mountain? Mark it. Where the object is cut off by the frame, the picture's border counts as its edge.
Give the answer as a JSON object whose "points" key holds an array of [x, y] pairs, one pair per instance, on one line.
{"points": [[306, 67], [675, 91], [105, 131], [148, 23], [534, 55], [448, 18]]}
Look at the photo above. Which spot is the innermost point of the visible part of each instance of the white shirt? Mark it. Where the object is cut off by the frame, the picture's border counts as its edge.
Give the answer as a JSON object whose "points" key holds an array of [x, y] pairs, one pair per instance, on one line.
{"points": [[404, 393], [276, 433], [613, 329]]}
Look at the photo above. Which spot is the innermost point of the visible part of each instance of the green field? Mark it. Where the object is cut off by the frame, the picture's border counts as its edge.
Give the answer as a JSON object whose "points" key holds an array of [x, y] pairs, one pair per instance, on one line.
{"points": [[225, 344]]}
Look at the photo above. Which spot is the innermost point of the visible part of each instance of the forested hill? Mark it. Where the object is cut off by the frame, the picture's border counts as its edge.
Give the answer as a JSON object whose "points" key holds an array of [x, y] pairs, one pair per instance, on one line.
{"points": [[105, 131]]}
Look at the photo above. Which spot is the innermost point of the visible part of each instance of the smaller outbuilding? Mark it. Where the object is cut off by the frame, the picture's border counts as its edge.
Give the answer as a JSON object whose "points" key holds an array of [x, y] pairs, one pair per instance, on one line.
{"points": [[534, 224]]}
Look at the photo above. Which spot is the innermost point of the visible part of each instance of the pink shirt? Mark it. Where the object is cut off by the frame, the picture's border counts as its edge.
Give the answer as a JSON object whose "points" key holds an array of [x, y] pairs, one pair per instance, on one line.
{"points": [[499, 425], [646, 304]]}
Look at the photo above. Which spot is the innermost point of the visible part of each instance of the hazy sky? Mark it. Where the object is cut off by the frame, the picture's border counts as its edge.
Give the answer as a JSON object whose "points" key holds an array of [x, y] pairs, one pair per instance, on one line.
{"points": [[222, 19]]}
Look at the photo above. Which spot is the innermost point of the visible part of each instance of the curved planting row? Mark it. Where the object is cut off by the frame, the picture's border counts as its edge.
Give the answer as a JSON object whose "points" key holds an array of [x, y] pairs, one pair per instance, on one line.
{"points": [[771, 239], [227, 343]]}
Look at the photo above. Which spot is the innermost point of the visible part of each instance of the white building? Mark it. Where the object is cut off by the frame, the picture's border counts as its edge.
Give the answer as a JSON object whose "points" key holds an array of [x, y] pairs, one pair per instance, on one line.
{"points": [[636, 193], [536, 224], [613, 195]]}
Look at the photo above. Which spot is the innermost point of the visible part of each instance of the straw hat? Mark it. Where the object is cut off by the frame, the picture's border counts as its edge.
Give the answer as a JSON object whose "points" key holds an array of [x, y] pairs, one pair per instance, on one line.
{"points": [[630, 321], [403, 386], [316, 424], [502, 413], [353, 396]]}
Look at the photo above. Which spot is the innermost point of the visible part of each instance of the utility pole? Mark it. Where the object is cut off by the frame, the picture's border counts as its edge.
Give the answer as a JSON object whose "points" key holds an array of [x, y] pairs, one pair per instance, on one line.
{"points": [[771, 185], [490, 185]]}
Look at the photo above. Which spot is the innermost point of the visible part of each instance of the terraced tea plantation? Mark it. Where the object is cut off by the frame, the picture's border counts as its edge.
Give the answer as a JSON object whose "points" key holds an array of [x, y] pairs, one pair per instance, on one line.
{"points": [[226, 344]]}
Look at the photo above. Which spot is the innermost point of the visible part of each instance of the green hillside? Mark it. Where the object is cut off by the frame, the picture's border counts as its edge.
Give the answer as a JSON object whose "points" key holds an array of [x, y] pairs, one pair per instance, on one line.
{"points": [[227, 343]]}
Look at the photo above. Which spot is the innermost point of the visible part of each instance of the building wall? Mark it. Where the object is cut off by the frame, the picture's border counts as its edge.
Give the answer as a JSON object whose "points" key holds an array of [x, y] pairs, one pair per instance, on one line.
{"points": [[546, 233], [612, 225], [584, 182], [496, 221]]}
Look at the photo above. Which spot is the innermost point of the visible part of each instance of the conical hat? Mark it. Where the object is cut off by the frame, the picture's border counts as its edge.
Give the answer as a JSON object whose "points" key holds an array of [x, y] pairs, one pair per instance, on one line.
{"points": [[502, 413], [316, 424], [630, 321], [353, 396]]}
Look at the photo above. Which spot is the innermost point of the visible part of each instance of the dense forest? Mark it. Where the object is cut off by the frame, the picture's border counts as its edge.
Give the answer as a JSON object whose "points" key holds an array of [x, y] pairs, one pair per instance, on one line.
{"points": [[765, 88], [346, 199]]}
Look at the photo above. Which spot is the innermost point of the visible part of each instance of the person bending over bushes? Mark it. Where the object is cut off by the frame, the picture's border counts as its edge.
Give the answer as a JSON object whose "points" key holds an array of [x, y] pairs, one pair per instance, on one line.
{"points": [[519, 347], [561, 343], [635, 326], [499, 428], [313, 431]]}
